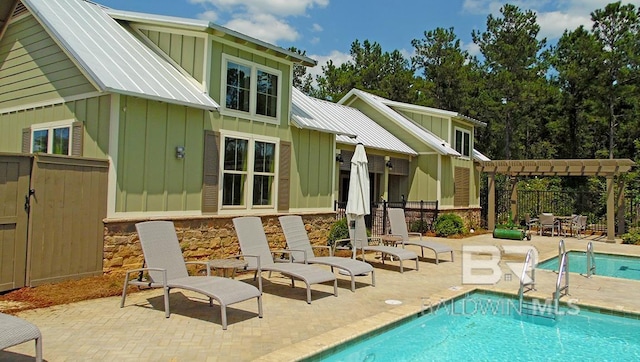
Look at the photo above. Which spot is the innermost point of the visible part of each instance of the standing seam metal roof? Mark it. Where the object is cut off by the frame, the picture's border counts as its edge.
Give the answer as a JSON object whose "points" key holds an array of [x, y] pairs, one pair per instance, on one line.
{"points": [[114, 58], [346, 122], [429, 138]]}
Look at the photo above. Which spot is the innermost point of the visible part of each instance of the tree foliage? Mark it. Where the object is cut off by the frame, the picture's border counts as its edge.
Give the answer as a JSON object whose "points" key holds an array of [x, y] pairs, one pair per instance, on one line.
{"points": [[578, 98]]}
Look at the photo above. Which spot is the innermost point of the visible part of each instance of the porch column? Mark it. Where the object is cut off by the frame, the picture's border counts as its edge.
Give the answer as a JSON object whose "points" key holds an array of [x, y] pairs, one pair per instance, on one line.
{"points": [[491, 213], [611, 227], [385, 180]]}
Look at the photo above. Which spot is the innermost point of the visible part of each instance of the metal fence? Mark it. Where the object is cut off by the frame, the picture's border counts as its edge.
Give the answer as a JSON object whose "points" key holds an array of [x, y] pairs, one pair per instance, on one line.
{"points": [[534, 203], [420, 215]]}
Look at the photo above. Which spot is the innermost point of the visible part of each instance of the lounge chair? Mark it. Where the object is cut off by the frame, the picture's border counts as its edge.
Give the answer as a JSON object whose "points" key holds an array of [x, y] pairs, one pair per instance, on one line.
{"points": [[399, 228], [360, 241], [255, 247], [167, 269], [302, 251], [14, 331]]}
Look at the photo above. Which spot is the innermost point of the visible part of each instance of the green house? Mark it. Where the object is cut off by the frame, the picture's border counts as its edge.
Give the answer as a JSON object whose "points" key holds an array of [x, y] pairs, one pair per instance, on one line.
{"points": [[193, 117]]}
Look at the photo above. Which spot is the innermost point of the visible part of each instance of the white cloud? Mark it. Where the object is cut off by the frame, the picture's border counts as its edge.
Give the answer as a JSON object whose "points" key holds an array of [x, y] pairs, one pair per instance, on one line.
{"points": [[208, 15], [261, 19], [472, 48], [337, 57], [275, 7], [264, 27], [554, 17]]}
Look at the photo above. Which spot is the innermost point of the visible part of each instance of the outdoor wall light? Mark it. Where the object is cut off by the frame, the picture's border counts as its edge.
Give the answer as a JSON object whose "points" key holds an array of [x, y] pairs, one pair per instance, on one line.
{"points": [[389, 165], [180, 152], [339, 158]]}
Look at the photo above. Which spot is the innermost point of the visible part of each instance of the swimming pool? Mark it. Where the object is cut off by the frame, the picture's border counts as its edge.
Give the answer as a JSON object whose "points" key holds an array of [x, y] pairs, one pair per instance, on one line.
{"points": [[617, 266], [482, 327]]}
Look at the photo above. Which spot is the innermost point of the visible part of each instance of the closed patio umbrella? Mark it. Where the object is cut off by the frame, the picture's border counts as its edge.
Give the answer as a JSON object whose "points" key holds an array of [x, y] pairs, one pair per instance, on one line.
{"points": [[358, 202]]}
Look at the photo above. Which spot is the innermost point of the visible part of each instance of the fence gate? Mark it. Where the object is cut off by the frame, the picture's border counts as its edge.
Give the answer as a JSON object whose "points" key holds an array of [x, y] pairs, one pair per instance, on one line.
{"points": [[15, 172], [51, 218]]}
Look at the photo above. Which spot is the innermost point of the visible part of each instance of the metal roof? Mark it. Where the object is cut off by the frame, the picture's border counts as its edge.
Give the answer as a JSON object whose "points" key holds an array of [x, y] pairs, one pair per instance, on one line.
{"points": [[571, 167], [349, 124], [112, 57], [203, 25], [478, 156], [435, 142], [429, 110]]}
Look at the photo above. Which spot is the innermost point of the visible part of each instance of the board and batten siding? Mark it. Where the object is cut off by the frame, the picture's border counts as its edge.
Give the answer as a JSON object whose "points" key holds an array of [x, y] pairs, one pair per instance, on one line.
{"points": [[436, 125], [150, 177], [92, 112], [186, 51], [423, 178], [34, 67], [312, 169]]}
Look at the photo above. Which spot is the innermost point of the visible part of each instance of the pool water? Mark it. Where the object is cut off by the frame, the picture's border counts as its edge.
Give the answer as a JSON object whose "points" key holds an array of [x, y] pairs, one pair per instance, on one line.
{"points": [[484, 327], [617, 266]]}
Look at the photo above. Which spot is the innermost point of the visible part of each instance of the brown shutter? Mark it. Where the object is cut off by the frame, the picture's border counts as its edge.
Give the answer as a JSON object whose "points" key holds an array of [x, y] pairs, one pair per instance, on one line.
{"points": [[26, 140], [284, 176], [400, 167], [77, 135], [461, 191], [210, 171]]}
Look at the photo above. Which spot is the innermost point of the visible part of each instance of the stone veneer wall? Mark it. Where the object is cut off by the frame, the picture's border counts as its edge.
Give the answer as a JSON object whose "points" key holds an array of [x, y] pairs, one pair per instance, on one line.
{"points": [[201, 238]]}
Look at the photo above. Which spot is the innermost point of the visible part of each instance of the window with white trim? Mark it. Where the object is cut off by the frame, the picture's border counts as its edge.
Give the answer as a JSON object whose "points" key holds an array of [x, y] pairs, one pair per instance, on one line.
{"points": [[463, 142], [53, 138], [251, 89], [248, 172]]}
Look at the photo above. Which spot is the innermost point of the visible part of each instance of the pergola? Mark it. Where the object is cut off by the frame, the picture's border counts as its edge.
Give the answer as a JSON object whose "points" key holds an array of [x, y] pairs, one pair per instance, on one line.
{"points": [[609, 168]]}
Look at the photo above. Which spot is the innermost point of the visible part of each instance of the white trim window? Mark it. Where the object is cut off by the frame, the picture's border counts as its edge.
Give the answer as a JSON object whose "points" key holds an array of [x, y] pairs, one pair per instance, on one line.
{"points": [[463, 142], [251, 89], [53, 138], [248, 172]]}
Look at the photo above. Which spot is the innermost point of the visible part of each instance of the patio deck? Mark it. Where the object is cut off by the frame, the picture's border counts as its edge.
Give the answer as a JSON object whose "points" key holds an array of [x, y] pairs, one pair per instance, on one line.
{"points": [[291, 329]]}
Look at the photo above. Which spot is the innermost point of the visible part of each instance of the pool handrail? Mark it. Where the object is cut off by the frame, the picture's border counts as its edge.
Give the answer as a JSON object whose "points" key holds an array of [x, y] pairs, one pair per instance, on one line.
{"points": [[532, 283], [591, 260], [563, 269]]}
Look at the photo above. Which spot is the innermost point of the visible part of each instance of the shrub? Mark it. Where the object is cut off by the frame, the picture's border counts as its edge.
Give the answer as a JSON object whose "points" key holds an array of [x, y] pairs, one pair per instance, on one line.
{"points": [[339, 230], [418, 226], [632, 237], [449, 224]]}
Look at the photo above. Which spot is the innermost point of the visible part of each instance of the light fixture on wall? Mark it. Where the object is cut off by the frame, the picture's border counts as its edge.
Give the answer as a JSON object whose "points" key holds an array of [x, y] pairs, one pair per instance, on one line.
{"points": [[180, 152], [339, 158], [389, 164]]}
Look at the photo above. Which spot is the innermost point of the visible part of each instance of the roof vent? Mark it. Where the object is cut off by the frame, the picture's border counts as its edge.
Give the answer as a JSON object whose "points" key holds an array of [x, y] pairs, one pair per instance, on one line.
{"points": [[19, 10]]}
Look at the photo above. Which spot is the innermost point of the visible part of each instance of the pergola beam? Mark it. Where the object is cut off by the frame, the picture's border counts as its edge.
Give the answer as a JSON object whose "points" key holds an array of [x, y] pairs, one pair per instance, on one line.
{"points": [[608, 168]]}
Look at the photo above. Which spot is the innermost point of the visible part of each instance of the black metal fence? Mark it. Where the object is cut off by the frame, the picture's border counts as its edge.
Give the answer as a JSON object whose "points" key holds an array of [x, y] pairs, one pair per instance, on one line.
{"points": [[420, 215]]}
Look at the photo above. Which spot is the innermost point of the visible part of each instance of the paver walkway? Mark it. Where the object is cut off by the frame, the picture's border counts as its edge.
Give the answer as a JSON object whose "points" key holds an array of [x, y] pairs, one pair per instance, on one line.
{"points": [[99, 330]]}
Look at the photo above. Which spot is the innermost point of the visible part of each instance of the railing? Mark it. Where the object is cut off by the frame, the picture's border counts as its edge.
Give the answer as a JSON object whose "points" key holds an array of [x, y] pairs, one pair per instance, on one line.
{"points": [[524, 283], [591, 260], [420, 215], [563, 271]]}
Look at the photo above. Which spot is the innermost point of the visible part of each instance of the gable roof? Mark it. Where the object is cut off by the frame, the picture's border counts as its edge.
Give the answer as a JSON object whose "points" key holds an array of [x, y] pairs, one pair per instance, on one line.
{"points": [[111, 57], [380, 104], [349, 124], [204, 25]]}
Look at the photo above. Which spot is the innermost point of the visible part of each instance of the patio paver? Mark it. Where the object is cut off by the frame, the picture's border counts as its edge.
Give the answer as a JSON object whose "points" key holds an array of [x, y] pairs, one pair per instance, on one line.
{"points": [[291, 329]]}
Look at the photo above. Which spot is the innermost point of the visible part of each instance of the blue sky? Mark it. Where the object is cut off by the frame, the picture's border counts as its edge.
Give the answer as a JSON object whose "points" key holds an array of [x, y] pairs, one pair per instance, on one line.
{"points": [[326, 28]]}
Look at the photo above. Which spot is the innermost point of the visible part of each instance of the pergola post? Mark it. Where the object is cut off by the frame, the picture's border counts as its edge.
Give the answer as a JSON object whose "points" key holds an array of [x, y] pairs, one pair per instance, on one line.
{"points": [[620, 205], [491, 213], [611, 227]]}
